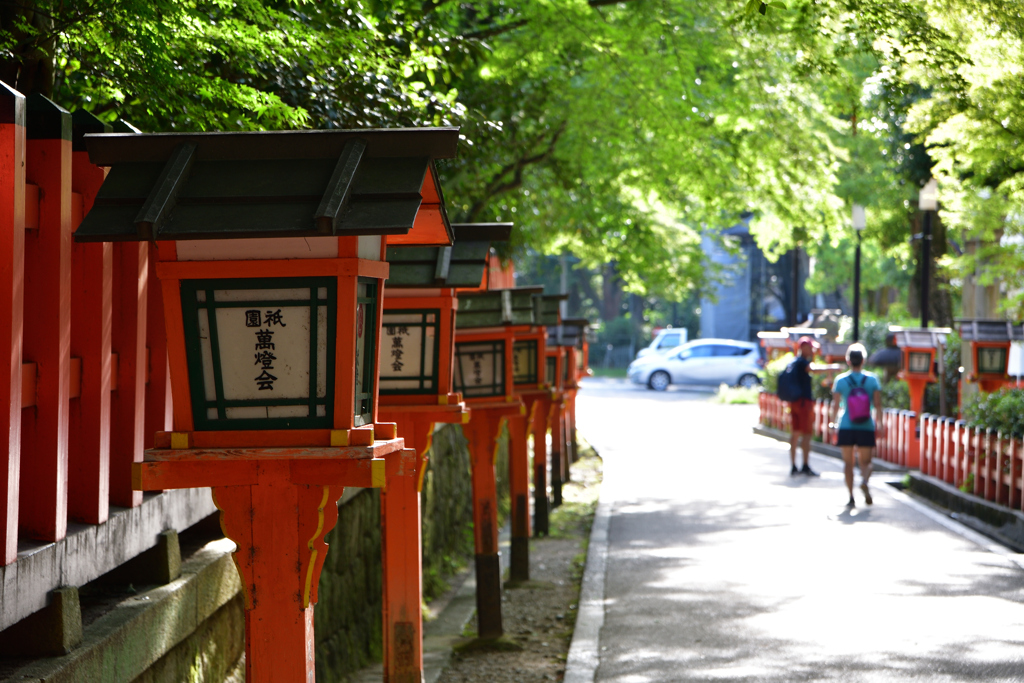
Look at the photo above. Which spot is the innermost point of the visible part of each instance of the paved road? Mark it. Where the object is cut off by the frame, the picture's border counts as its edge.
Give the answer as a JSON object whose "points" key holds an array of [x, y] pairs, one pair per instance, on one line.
{"points": [[722, 567]]}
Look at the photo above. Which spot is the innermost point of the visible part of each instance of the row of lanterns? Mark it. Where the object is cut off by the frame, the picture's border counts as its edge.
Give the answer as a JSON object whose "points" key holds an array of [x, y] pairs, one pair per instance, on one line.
{"points": [[322, 315]]}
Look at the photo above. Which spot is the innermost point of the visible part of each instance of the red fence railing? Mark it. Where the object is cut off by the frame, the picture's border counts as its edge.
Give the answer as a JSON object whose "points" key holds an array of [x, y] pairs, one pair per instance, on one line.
{"points": [[986, 463], [86, 382], [983, 462], [899, 444]]}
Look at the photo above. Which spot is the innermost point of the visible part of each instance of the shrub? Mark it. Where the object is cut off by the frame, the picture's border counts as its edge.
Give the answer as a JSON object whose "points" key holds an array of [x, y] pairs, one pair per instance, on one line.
{"points": [[1002, 411], [736, 395]]}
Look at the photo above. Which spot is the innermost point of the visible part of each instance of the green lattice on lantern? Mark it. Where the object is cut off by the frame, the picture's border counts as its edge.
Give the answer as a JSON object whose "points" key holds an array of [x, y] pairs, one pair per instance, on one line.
{"points": [[480, 368], [261, 352]]}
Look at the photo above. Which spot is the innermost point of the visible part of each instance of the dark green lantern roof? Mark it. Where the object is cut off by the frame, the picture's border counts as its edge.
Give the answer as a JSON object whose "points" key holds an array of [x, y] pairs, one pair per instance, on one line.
{"points": [[496, 307], [171, 186], [547, 307], [460, 265]]}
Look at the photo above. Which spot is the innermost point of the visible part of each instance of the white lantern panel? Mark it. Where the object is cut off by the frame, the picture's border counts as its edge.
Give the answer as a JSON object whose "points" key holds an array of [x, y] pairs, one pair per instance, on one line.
{"points": [[408, 352], [261, 352], [480, 368]]}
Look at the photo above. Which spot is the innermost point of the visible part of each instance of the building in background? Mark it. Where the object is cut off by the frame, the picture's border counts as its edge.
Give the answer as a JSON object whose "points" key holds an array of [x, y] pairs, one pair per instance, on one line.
{"points": [[754, 294]]}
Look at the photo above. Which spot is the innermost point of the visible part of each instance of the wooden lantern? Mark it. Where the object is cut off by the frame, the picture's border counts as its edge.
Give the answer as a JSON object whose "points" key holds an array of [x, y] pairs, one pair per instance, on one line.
{"points": [[919, 347], [528, 350], [775, 344], [990, 350], [270, 251], [483, 374]]}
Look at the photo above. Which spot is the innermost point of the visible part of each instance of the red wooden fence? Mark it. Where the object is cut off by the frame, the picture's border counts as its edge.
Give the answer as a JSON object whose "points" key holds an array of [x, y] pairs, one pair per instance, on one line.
{"points": [[983, 462], [74, 326], [898, 445]]}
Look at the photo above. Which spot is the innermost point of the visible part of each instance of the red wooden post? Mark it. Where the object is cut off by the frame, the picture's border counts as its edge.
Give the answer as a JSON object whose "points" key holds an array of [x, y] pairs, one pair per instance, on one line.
{"points": [[957, 454], [541, 505], [482, 432], [12, 275], [1013, 453], [976, 455], [519, 485], [402, 567], [401, 536], [128, 410], [988, 471], [557, 447], [44, 438], [91, 319], [925, 422], [158, 416]]}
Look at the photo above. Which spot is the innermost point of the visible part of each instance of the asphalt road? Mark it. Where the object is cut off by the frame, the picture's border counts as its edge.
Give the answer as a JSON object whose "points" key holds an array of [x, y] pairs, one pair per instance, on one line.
{"points": [[722, 567]]}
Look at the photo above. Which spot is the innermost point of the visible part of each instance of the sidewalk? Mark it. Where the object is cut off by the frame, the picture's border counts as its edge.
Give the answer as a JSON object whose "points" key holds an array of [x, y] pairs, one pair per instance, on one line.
{"points": [[720, 566]]}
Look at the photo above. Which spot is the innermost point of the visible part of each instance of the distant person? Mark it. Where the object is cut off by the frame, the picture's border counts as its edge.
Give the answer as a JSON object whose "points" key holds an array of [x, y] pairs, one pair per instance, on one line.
{"points": [[801, 409], [857, 391]]}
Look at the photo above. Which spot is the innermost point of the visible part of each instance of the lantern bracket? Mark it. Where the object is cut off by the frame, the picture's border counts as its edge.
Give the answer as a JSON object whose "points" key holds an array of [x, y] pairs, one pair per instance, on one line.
{"points": [[339, 189], [164, 194], [444, 262]]}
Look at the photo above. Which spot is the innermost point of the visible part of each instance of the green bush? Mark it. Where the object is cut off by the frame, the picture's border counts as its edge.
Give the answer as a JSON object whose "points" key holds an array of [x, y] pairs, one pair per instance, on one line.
{"points": [[1002, 411], [736, 395], [895, 394]]}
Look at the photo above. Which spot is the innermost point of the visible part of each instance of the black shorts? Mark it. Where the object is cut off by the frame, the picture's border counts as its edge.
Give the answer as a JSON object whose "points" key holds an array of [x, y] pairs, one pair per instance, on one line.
{"points": [[856, 437]]}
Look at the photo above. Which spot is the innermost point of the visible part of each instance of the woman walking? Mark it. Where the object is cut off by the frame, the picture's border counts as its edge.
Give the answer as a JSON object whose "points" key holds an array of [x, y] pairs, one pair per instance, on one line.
{"points": [[858, 392]]}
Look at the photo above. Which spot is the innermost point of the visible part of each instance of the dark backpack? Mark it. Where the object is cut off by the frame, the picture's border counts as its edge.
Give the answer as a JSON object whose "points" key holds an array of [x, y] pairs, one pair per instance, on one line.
{"points": [[858, 403], [788, 387]]}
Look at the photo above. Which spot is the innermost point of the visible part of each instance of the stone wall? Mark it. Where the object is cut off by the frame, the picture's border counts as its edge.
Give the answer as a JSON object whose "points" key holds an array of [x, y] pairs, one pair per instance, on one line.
{"points": [[348, 613]]}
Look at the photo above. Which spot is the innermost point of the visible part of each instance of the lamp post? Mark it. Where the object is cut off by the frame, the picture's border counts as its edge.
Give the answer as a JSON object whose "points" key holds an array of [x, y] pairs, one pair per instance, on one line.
{"points": [[859, 223], [928, 202]]}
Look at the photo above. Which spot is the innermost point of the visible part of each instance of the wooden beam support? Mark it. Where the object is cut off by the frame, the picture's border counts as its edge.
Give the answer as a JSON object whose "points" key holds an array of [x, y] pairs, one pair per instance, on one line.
{"points": [[47, 338], [12, 281], [402, 562], [128, 341], [164, 195], [339, 188], [91, 327]]}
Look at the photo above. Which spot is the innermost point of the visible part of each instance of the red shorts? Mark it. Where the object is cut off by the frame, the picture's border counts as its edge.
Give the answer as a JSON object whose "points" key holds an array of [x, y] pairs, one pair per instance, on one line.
{"points": [[802, 415]]}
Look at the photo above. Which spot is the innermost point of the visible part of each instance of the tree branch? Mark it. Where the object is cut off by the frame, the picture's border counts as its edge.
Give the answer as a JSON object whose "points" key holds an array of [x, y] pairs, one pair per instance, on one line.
{"points": [[499, 184]]}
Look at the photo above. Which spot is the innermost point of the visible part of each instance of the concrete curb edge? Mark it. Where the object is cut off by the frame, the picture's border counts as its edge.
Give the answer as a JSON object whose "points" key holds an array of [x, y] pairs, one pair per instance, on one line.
{"points": [[584, 657]]}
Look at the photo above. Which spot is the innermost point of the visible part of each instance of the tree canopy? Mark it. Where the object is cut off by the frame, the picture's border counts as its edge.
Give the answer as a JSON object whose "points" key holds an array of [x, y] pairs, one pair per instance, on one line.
{"points": [[621, 130]]}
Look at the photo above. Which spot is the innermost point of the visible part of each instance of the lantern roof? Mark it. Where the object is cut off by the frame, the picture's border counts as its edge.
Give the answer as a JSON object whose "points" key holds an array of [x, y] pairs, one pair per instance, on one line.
{"points": [[547, 311], [460, 265], [920, 337], [496, 307], [990, 331], [191, 186]]}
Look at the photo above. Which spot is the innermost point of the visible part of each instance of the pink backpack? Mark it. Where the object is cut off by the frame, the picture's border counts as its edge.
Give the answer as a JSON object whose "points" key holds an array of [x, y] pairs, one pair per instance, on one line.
{"points": [[858, 403]]}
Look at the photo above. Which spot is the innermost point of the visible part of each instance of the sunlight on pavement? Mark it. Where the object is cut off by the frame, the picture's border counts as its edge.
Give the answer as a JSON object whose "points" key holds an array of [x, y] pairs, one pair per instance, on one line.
{"points": [[723, 567]]}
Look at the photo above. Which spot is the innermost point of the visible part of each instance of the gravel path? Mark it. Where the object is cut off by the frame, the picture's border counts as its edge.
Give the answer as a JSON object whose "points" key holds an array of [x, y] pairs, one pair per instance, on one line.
{"points": [[539, 615]]}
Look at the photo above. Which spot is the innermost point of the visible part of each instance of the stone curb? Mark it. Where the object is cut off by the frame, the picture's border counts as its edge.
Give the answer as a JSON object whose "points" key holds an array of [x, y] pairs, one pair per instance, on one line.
{"points": [[584, 658], [125, 642]]}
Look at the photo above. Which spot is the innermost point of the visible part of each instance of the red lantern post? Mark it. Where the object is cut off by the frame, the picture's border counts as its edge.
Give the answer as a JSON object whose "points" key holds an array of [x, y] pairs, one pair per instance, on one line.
{"points": [[483, 374], [417, 352], [270, 260]]}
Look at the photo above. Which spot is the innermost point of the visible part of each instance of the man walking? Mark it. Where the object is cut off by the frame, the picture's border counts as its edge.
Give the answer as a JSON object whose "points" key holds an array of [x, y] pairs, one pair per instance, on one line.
{"points": [[857, 391], [802, 409]]}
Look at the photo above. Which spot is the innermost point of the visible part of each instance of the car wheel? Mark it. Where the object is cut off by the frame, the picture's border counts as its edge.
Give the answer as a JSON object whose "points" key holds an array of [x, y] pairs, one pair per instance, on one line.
{"points": [[659, 381], [749, 381]]}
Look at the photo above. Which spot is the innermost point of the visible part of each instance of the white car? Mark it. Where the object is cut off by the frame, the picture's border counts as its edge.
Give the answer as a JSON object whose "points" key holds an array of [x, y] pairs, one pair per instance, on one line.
{"points": [[702, 361], [665, 341]]}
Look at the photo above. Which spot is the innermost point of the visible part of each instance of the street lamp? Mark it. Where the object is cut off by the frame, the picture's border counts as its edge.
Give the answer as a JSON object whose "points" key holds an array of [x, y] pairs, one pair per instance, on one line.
{"points": [[859, 223], [928, 202]]}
